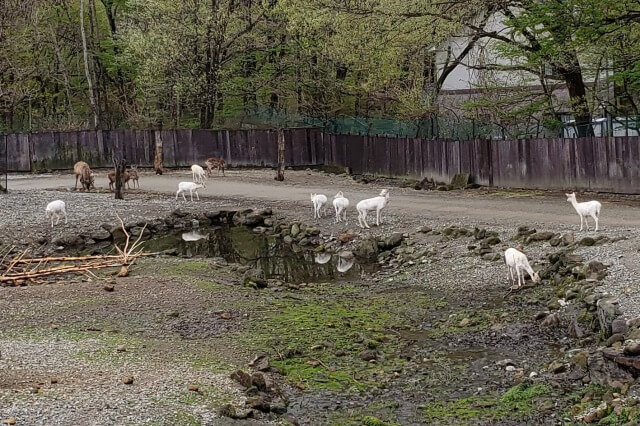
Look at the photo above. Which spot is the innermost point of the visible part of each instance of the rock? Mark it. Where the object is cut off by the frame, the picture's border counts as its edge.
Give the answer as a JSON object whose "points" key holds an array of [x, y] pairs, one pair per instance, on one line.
{"points": [[243, 378], [108, 288], [121, 348], [551, 321], [350, 235], [368, 355], [226, 315], [505, 362], [603, 371], [492, 256], [533, 375], [259, 381], [587, 241], [568, 239], [54, 380], [510, 368], [367, 248], [425, 229], [595, 414], [295, 230], [555, 241], [9, 421], [100, 235], [193, 388], [128, 380], [619, 326], [632, 347], [557, 367], [392, 241], [278, 408], [541, 315], [492, 241], [259, 403], [260, 363], [613, 339], [227, 410], [464, 322], [442, 188], [541, 236], [460, 180], [607, 311], [580, 359], [634, 322]]}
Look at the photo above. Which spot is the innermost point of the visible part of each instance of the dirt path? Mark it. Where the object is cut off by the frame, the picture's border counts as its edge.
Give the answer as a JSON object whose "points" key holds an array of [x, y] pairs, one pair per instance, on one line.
{"points": [[480, 207]]}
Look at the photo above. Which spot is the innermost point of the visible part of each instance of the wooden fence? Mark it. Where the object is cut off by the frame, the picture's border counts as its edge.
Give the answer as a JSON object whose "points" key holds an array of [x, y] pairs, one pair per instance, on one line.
{"points": [[610, 164]]}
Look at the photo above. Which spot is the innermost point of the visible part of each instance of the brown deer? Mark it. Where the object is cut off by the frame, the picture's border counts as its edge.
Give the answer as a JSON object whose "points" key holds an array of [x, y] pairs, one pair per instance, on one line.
{"points": [[215, 162], [84, 173], [112, 179], [133, 174]]}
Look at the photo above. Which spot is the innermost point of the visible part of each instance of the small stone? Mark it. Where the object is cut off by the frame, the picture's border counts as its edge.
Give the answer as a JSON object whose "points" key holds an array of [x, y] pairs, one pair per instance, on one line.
{"points": [[587, 241], [243, 378], [193, 388], [632, 347], [259, 403], [128, 380], [9, 421], [225, 315], [121, 348], [557, 367], [425, 229], [510, 368], [368, 355], [54, 380], [613, 339], [108, 287], [464, 322], [533, 375]]}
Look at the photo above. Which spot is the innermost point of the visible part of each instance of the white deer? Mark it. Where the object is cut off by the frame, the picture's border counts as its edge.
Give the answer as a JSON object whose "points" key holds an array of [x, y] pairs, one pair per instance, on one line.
{"points": [[340, 204], [319, 201], [588, 208], [517, 262], [376, 203], [192, 187], [199, 175], [56, 209]]}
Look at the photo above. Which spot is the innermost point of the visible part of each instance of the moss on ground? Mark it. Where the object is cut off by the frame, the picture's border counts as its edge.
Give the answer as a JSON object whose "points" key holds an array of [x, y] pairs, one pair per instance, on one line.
{"points": [[519, 402], [322, 342]]}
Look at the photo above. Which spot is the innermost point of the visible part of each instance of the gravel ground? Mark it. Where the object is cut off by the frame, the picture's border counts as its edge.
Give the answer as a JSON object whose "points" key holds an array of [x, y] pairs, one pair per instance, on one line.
{"points": [[100, 397]]}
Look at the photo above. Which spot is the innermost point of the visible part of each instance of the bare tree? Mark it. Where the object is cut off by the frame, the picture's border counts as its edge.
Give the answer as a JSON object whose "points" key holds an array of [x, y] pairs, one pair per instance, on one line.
{"points": [[92, 98]]}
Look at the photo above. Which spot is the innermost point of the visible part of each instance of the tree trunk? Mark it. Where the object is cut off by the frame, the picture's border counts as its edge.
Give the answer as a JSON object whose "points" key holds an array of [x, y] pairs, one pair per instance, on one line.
{"points": [[120, 164], [92, 99], [280, 169], [572, 76], [158, 160]]}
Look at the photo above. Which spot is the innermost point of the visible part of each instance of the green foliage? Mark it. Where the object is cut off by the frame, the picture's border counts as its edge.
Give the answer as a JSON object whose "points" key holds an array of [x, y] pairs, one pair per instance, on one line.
{"points": [[519, 402], [290, 62]]}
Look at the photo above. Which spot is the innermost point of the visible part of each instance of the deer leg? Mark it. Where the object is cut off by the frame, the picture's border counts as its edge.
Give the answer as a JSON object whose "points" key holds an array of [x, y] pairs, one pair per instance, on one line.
{"points": [[197, 196], [595, 218], [581, 222]]}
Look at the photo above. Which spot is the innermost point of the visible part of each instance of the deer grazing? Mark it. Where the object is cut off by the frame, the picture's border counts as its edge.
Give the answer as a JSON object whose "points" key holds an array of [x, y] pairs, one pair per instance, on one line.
{"points": [[376, 203], [56, 209], [192, 187], [126, 176], [198, 175], [84, 173], [517, 262], [588, 208], [215, 162], [319, 201], [340, 204]]}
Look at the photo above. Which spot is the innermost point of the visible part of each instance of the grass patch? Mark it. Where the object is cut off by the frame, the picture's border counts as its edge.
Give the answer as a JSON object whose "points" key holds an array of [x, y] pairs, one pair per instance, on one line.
{"points": [[380, 414], [318, 342], [519, 402]]}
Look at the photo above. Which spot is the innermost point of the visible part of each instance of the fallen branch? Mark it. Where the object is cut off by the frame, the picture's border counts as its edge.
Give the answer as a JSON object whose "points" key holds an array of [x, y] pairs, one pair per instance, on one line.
{"points": [[20, 269]]}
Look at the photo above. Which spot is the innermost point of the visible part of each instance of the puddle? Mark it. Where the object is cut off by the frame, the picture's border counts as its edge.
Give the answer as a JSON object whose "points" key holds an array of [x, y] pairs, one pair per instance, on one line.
{"points": [[268, 253]]}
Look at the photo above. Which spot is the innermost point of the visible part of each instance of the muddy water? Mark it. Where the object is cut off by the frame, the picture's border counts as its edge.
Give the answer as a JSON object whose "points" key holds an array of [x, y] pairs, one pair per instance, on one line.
{"points": [[269, 254]]}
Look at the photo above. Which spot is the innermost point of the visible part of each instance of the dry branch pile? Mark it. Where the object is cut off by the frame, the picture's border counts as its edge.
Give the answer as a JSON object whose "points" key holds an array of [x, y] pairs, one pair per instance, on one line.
{"points": [[21, 270]]}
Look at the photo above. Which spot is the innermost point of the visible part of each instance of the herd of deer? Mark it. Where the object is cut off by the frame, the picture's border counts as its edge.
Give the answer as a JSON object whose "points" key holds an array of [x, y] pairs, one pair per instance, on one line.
{"points": [[516, 261]]}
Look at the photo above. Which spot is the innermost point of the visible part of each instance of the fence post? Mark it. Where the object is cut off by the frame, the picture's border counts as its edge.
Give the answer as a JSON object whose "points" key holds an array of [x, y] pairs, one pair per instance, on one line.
{"points": [[281, 146]]}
